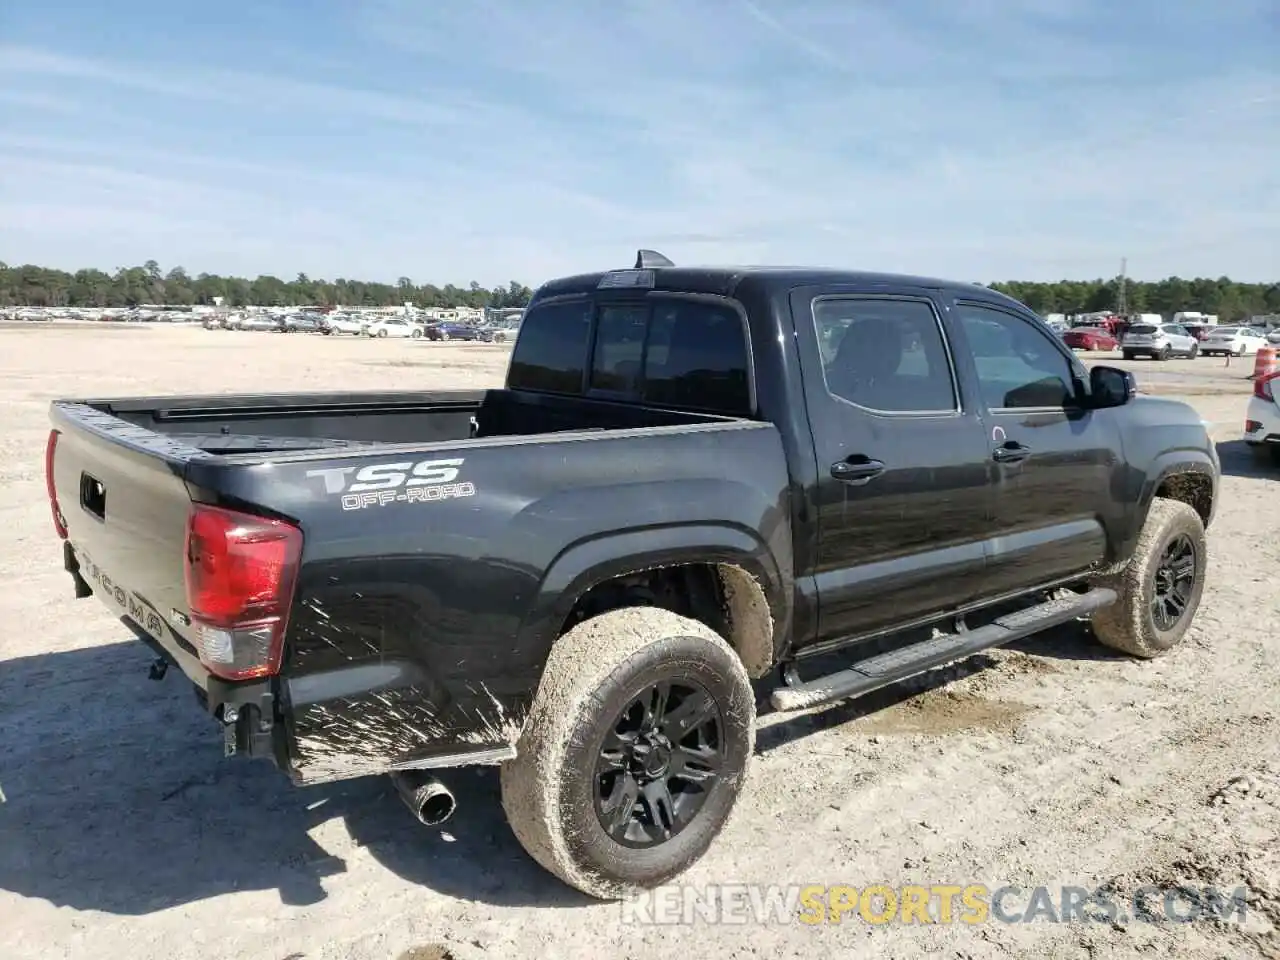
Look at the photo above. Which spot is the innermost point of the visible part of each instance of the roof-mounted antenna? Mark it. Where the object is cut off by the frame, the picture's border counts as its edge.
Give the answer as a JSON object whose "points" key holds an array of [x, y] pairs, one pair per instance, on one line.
{"points": [[651, 258]]}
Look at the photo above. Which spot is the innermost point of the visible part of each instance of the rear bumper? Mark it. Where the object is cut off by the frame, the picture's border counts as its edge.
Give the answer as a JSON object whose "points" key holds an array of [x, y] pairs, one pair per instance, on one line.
{"points": [[360, 719], [252, 702]]}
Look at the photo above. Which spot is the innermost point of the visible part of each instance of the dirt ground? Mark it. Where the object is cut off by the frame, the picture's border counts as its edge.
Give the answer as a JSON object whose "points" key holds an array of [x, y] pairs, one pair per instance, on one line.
{"points": [[123, 832]]}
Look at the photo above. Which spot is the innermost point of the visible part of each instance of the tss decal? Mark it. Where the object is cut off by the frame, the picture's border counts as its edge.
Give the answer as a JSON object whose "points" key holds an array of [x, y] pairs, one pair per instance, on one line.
{"points": [[379, 484]]}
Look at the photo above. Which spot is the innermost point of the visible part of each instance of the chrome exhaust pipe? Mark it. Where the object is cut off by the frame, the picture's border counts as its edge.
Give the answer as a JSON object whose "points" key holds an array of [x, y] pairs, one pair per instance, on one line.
{"points": [[429, 800]]}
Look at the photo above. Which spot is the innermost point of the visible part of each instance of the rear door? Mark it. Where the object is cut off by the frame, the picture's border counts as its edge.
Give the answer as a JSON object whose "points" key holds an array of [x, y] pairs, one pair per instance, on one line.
{"points": [[1055, 465], [1181, 341], [903, 464]]}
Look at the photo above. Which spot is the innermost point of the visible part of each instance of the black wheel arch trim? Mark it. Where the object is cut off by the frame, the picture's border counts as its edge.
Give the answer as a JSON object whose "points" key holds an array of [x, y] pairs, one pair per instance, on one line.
{"points": [[586, 564], [1176, 463]]}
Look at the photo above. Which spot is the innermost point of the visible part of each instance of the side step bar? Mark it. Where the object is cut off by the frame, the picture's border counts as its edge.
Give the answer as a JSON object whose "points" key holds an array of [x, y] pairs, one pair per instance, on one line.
{"points": [[888, 668]]}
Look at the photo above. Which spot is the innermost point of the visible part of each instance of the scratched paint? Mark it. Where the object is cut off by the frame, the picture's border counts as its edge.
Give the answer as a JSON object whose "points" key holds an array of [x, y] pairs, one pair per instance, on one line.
{"points": [[397, 729]]}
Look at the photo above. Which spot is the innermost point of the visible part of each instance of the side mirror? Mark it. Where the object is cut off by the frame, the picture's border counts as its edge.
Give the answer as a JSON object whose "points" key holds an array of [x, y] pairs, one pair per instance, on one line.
{"points": [[1110, 387]]}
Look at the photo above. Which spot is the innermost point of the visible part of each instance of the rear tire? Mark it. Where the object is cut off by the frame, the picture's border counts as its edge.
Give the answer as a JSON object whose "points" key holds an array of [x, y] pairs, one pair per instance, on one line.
{"points": [[574, 755], [1157, 581], [1164, 354], [1128, 354], [1195, 351], [382, 334]]}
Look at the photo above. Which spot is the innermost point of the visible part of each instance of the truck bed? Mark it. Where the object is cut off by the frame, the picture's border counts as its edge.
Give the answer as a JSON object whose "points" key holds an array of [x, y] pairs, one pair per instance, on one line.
{"points": [[421, 614], [268, 423]]}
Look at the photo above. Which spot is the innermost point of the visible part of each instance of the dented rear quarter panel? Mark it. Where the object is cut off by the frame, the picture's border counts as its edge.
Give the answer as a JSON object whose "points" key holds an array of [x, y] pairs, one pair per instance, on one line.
{"points": [[420, 629]]}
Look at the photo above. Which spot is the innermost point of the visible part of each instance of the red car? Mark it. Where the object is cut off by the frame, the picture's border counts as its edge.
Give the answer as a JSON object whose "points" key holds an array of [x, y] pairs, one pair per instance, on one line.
{"points": [[1089, 338]]}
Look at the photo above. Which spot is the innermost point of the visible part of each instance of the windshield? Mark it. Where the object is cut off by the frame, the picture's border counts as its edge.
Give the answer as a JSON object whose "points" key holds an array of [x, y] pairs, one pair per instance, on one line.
{"points": [[1226, 332], [1142, 328]]}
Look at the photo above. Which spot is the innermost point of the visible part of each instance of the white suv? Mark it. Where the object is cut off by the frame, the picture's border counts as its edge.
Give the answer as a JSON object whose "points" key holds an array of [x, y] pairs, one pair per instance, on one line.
{"points": [[1233, 341], [1158, 341]]}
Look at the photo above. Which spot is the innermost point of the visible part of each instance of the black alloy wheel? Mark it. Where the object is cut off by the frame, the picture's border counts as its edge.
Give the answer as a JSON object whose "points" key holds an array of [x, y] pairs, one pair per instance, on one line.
{"points": [[657, 763], [1174, 580]]}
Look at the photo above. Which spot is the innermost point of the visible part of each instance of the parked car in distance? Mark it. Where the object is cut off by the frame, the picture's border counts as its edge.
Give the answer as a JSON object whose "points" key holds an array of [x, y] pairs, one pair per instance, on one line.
{"points": [[1089, 338], [1159, 341], [301, 322], [454, 330], [1262, 418], [1233, 341], [341, 323], [1273, 337], [499, 332], [256, 321], [394, 327]]}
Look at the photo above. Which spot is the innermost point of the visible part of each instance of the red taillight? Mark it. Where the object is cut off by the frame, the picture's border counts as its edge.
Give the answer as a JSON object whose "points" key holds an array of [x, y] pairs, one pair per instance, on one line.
{"points": [[240, 575], [1263, 387], [50, 448]]}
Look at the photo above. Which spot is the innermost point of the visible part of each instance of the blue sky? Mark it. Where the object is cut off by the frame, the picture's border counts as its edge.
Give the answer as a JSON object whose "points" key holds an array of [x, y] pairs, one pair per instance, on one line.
{"points": [[498, 139]]}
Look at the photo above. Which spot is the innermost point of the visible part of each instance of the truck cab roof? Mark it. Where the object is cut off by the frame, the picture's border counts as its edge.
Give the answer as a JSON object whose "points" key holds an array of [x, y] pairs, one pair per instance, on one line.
{"points": [[725, 280]]}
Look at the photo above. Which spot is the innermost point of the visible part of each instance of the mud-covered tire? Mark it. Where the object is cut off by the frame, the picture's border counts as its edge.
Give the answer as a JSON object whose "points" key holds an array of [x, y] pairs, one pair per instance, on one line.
{"points": [[594, 671], [1129, 624]]}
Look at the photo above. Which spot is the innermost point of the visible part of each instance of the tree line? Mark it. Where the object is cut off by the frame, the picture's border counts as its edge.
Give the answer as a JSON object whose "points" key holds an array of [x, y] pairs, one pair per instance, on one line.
{"points": [[34, 286], [1230, 300], [29, 285]]}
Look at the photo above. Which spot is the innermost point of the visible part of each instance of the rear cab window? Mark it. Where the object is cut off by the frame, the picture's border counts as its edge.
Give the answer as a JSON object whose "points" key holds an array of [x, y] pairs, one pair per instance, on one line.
{"points": [[664, 350]]}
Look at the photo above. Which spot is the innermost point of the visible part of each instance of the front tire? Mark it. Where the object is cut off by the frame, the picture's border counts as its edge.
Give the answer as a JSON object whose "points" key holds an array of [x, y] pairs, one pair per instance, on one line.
{"points": [[382, 334], [1159, 590], [634, 752]]}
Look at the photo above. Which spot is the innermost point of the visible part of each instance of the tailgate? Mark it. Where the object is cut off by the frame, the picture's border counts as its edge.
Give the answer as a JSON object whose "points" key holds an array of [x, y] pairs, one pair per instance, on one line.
{"points": [[124, 503]]}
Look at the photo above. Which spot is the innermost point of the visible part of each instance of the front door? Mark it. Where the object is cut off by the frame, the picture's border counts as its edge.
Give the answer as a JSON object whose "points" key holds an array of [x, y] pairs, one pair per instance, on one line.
{"points": [[1057, 467], [903, 467]]}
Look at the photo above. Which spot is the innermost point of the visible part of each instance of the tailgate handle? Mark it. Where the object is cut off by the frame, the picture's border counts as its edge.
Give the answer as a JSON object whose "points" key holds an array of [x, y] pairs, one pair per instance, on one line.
{"points": [[93, 496]]}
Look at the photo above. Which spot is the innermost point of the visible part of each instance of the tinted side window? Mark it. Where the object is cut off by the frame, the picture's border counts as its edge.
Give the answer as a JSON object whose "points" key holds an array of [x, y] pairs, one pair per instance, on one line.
{"points": [[551, 352], [1018, 366], [619, 351], [697, 357], [885, 355]]}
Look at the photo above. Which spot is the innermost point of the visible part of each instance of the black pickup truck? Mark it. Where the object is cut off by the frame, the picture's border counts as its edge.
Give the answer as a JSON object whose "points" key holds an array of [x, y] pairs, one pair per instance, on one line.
{"points": [[693, 479]]}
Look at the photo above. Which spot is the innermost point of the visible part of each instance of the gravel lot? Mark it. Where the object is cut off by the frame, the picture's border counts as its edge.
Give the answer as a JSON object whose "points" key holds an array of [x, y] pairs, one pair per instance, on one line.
{"points": [[125, 833]]}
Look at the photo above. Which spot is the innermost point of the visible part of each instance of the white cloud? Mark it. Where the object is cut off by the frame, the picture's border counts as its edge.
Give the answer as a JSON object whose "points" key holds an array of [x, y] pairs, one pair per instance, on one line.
{"points": [[957, 139]]}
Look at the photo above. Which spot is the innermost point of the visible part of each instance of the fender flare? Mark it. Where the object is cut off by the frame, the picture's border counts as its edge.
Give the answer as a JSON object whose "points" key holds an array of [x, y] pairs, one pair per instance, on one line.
{"points": [[1170, 464], [584, 564]]}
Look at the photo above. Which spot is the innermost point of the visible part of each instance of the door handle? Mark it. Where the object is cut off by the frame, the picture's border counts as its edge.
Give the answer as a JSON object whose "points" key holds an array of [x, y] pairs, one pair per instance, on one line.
{"points": [[857, 470], [1010, 452]]}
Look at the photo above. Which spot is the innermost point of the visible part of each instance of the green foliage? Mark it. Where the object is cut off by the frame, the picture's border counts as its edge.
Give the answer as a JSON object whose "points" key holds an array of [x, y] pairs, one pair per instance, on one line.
{"points": [[34, 286], [1231, 301], [29, 285]]}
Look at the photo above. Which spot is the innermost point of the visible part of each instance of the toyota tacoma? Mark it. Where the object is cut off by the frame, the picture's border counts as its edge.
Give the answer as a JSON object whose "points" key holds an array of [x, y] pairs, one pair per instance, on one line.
{"points": [[694, 481]]}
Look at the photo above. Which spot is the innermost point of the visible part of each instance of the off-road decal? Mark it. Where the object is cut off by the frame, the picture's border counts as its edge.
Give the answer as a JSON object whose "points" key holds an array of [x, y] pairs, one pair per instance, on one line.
{"points": [[380, 484]]}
